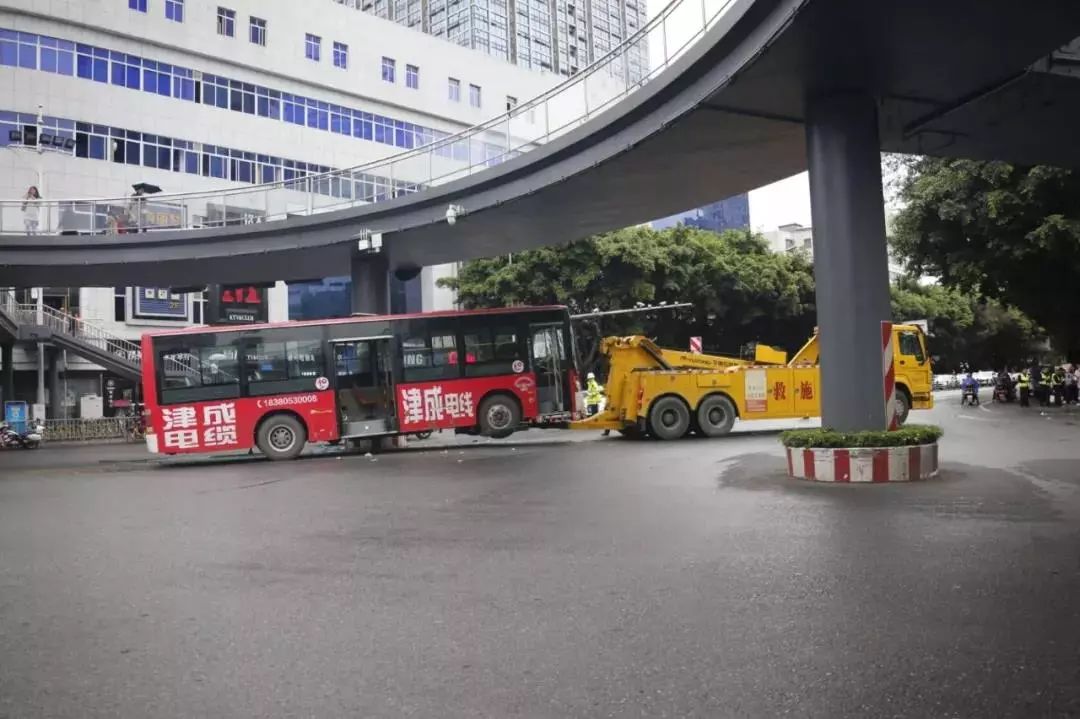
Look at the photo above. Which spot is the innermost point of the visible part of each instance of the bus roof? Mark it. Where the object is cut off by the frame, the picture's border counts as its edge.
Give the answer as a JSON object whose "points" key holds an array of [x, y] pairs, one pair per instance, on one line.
{"points": [[354, 319]]}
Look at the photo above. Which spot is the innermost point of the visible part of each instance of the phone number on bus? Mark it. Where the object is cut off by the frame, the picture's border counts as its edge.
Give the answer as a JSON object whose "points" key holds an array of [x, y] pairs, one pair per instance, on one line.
{"points": [[287, 401]]}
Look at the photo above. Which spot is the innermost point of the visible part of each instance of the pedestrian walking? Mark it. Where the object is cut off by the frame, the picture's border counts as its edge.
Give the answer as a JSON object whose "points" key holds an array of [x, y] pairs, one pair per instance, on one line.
{"points": [[1023, 384], [31, 209]]}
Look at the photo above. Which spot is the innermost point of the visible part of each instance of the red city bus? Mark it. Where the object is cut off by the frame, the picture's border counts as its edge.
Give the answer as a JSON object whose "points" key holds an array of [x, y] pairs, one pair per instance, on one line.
{"points": [[279, 386]]}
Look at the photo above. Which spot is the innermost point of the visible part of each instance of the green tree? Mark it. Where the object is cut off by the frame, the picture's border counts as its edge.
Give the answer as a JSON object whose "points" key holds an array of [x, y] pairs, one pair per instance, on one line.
{"points": [[965, 329], [741, 292], [1002, 231]]}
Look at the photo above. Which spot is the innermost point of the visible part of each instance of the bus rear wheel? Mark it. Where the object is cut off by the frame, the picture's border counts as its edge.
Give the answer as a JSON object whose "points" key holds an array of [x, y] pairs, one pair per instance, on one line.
{"points": [[499, 416], [281, 436], [669, 418]]}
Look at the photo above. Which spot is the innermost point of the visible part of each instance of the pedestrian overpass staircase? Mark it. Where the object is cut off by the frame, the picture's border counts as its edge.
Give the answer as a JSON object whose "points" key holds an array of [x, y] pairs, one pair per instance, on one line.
{"points": [[24, 324]]}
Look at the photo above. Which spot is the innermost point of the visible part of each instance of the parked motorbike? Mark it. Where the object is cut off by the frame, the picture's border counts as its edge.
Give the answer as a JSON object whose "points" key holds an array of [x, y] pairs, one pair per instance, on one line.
{"points": [[30, 439]]}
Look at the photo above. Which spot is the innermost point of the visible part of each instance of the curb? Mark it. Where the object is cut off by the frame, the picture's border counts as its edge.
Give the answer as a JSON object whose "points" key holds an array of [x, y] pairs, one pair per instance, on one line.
{"points": [[864, 464]]}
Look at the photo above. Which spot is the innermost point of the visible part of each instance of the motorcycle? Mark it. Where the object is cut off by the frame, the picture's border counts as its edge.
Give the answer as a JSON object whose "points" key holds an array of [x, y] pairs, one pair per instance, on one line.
{"points": [[29, 439]]}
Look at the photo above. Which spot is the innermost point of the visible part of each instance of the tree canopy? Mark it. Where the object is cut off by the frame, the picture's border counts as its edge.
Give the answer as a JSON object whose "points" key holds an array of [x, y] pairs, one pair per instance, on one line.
{"points": [[966, 330], [1006, 232], [740, 291]]}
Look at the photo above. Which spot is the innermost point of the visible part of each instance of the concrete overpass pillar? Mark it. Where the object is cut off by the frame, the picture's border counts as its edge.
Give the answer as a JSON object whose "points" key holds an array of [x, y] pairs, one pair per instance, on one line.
{"points": [[7, 373], [850, 257], [370, 284], [56, 396]]}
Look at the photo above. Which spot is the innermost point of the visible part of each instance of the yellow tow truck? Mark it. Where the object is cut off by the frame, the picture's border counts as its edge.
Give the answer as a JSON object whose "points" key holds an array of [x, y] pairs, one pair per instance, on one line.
{"points": [[669, 393]]}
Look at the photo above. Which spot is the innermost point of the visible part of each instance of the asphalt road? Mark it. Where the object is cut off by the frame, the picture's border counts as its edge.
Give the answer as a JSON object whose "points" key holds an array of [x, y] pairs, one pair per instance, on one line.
{"points": [[544, 577]]}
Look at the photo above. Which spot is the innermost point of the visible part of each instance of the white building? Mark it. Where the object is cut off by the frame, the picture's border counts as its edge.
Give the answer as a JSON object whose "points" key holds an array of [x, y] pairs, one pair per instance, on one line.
{"points": [[794, 237], [196, 95]]}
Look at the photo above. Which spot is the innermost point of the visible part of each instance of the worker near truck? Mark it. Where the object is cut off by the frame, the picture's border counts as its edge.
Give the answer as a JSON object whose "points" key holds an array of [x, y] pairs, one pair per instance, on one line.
{"points": [[1024, 385], [594, 393]]}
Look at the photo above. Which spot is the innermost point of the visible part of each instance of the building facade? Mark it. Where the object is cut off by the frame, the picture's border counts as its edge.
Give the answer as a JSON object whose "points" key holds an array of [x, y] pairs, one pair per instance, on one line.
{"points": [[794, 237], [732, 213], [195, 95], [559, 36]]}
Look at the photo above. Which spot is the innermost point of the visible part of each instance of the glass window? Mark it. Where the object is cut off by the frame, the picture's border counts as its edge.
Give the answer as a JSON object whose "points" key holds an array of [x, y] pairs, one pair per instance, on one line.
{"points": [[190, 374], [282, 366], [428, 355], [174, 10], [453, 87], [491, 351], [341, 55], [226, 22], [139, 5], [474, 95], [312, 47], [412, 77], [389, 69], [257, 31], [911, 346]]}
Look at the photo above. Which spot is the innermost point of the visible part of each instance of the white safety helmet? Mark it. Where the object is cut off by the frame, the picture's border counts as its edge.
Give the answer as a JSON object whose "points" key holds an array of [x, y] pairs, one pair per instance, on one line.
{"points": [[591, 375]]}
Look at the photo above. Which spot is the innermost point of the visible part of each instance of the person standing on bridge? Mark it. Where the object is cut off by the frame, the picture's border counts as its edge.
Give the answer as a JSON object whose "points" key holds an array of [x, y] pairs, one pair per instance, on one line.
{"points": [[31, 209]]}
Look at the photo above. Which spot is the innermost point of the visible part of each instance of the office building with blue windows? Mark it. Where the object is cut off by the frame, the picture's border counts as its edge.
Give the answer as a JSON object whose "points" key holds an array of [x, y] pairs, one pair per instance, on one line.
{"points": [[732, 213], [195, 95]]}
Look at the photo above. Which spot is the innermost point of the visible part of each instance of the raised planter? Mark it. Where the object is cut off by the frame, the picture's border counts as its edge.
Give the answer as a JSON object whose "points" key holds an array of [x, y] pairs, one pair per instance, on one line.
{"points": [[820, 455], [864, 464]]}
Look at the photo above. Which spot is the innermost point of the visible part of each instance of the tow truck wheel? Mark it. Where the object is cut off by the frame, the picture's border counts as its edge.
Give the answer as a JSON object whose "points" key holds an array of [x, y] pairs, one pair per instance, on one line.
{"points": [[281, 436], [499, 416], [903, 406], [715, 415], [669, 418]]}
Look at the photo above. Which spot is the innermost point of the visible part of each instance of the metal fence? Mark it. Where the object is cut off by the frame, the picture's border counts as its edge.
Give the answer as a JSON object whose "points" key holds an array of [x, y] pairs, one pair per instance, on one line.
{"points": [[92, 430]]}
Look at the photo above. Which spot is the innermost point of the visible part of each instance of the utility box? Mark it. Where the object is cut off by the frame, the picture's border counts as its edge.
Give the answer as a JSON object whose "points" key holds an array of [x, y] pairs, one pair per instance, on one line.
{"points": [[91, 406]]}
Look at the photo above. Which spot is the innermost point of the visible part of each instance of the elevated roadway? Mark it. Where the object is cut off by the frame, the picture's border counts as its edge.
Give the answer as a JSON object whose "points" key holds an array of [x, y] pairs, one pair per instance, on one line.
{"points": [[965, 79]]}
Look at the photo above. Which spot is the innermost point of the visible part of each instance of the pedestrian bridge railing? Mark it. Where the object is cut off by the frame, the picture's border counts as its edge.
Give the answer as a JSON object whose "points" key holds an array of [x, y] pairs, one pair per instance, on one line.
{"points": [[594, 90]]}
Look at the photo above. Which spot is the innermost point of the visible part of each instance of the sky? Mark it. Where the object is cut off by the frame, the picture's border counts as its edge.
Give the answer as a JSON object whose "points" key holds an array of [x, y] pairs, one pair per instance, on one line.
{"points": [[773, 205]]}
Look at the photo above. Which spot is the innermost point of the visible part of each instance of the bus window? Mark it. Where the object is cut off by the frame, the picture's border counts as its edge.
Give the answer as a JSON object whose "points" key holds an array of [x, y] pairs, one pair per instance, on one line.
{"points": [[429, 356], [491, 351], [289, 366], [195, 374]]}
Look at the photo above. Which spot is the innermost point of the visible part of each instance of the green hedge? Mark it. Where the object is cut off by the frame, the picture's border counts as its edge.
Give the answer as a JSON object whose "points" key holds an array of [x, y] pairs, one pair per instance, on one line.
{"points": [[906, 436]]}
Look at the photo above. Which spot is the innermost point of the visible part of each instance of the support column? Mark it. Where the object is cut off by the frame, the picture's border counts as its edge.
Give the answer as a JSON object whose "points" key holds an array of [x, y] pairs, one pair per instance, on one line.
{"points": [[56, 399], [850, 257], [7, 373], [370, 285]]}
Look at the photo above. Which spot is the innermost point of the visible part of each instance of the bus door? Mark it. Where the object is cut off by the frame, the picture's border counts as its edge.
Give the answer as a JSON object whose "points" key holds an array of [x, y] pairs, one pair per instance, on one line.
{"points": [[365, 385], [549, 362]]}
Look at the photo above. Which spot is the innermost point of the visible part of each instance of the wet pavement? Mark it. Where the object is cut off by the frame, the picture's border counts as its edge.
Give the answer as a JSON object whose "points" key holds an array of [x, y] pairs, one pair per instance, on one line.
{"points": [[550, 575]]}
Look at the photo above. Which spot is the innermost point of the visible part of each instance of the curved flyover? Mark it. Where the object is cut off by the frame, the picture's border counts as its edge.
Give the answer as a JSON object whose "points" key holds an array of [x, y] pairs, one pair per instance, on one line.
{"points": [[724, 115]]}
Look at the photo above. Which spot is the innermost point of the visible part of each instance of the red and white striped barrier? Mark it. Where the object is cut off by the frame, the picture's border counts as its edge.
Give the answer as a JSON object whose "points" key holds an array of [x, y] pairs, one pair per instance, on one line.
{"points": [[869, 464], [888, 374], [695, 345]]}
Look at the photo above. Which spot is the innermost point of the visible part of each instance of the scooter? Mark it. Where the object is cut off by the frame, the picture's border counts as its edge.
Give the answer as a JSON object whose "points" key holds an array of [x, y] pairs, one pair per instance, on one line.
{"points": [[29, 439], [970, 396]]}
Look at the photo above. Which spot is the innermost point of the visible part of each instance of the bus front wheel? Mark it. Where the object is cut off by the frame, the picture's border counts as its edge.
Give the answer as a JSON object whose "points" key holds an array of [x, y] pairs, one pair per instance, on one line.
{"points": [[281, 436], [499, 416]]}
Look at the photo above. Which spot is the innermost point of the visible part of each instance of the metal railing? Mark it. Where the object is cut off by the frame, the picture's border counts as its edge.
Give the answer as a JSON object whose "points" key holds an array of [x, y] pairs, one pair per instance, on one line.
{"points": [[581, 97], [93, 430], [88, 333]]}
